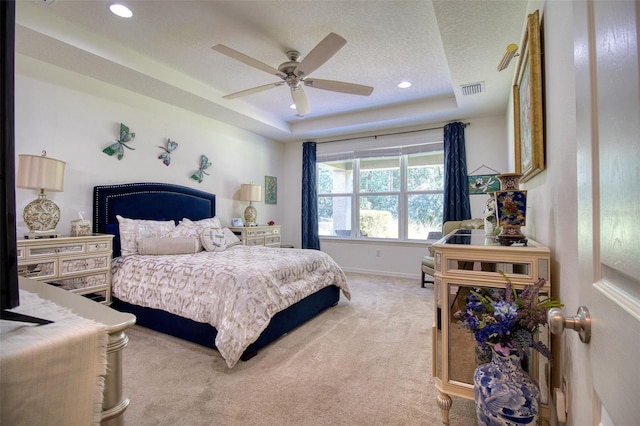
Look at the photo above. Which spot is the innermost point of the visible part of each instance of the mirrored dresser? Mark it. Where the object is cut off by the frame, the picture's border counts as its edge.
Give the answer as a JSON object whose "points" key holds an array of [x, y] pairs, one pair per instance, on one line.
{"points": [[464, 260]]}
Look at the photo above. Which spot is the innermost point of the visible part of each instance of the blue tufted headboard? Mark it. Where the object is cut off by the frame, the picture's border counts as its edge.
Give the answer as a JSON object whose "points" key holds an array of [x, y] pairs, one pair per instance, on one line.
{"points": [[147, 200]]}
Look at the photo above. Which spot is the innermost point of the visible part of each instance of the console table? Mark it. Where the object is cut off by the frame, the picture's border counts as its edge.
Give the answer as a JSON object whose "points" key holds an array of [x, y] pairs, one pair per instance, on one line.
{"points": [[467, 259]]}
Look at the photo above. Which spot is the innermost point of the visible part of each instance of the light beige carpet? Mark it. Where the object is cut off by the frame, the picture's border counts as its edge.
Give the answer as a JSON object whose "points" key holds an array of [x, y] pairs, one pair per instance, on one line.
{"points": [[364, 362]]}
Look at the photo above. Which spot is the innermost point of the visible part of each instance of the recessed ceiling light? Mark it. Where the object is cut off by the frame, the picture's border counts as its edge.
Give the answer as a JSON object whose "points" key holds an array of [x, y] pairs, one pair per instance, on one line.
{"points": [[292, 106], [404, 84], [120, 10]]}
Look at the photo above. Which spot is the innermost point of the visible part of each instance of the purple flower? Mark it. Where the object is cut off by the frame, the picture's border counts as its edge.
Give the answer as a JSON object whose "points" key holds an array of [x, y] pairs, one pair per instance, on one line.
{"points": [[506, 318]]}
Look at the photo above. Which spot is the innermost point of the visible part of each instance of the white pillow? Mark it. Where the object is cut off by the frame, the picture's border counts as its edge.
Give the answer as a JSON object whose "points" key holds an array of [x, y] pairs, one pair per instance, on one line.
{"points": [[199, 225], [213, 239], [161, 246], [212, 222], [134, 230], [185, 229]]}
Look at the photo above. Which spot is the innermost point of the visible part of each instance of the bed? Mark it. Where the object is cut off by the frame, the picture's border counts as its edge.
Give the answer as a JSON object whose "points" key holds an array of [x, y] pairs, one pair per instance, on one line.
{"points": [[236, 300]]}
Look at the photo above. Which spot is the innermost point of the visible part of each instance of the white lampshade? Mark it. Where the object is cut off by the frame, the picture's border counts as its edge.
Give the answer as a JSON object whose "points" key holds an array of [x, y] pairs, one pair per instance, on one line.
{"points": [[40, 172], [250, 192]]}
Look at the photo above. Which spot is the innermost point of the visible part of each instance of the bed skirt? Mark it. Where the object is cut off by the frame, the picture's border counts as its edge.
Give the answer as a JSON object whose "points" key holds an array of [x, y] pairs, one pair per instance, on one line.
{"points": [[205, 334]]}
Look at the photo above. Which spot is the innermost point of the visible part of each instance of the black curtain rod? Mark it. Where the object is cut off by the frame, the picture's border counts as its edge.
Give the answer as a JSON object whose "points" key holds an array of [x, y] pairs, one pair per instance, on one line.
{"points": [[388, 134]]}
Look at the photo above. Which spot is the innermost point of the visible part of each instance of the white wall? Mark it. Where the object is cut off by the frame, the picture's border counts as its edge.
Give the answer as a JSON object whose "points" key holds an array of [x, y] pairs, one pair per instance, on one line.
{"points": [[292, 187], [485, 141], [74, 118], [551, 195]]}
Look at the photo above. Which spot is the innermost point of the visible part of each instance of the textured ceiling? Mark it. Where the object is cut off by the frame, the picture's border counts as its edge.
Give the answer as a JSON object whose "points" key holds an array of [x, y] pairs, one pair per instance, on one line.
{"points": [[164, 52]]}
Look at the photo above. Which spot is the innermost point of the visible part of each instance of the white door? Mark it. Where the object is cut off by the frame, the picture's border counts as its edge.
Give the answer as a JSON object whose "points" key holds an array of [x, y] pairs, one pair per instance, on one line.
{"points": [[608, 130]]}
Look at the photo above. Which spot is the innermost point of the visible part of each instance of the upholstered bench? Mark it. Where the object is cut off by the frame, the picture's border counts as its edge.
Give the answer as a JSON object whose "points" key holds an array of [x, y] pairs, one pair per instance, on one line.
{"points": [[447, 228]]}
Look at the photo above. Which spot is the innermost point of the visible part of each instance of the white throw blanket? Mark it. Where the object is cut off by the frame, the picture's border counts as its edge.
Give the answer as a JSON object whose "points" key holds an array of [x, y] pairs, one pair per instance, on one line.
{"points": [[237, 291], [51, 374]]}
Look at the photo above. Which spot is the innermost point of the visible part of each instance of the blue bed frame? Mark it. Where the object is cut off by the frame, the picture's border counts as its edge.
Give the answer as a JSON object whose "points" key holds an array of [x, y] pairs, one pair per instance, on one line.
{"points": [[161, 201]]}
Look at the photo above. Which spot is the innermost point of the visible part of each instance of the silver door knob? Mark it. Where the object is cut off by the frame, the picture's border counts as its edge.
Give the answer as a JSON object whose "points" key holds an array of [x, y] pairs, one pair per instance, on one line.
{"points": [[580, 323]]}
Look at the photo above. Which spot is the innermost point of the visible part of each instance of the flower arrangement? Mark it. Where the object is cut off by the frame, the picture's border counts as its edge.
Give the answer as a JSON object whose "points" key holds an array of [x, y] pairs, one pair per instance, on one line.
{"points": [[507, 319]]}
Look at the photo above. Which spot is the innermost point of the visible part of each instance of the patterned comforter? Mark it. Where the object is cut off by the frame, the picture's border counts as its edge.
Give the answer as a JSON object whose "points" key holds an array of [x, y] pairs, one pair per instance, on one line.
{"points": [[237, 291]]}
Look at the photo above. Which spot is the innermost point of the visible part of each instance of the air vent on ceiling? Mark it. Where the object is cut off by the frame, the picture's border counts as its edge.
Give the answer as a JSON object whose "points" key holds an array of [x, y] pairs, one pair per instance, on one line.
{"points": [[472, 89]]}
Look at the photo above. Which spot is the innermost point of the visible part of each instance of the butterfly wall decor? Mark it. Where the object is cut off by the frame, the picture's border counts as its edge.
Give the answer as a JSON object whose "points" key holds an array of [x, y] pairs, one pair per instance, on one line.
{"points": [[118, 147], [166, 155], [204, 164]]}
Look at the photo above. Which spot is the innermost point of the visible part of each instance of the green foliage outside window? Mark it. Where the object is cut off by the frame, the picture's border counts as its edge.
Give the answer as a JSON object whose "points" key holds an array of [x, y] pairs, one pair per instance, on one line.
{"points": [[379, 193], [375, 223]]}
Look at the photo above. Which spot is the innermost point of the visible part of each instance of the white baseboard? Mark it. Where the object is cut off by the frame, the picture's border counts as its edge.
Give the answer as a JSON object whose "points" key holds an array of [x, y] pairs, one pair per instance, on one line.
{"points": [[382, 273]]}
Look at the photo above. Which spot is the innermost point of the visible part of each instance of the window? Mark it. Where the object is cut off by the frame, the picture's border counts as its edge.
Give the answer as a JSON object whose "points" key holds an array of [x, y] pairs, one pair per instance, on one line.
{"points": [[393, 193]]}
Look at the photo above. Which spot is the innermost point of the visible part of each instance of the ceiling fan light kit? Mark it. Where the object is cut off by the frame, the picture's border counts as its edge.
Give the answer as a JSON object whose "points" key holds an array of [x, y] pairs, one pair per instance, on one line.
{"points": [[294, 73]]}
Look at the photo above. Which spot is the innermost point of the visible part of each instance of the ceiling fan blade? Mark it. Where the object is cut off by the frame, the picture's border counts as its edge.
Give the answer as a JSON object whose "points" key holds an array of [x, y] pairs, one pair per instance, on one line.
{"points": [[253, 90], [300, 99], [234, 54], [339, 86], [320, 54]]}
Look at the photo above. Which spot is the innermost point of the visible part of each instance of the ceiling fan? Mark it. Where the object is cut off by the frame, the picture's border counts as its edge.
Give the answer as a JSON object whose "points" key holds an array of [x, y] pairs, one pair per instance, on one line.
{"points": [[295, 73]]}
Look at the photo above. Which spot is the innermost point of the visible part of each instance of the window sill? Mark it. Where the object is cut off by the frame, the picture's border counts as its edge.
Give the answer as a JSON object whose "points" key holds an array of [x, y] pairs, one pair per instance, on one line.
{"points": [[378, 241]]}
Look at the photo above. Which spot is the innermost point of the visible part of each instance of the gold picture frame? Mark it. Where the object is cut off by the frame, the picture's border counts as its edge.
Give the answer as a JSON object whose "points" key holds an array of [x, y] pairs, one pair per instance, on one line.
{"points": [[527, 104]]}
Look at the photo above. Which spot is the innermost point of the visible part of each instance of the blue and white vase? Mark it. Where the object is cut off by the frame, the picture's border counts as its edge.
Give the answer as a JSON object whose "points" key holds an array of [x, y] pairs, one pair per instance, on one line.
{"points": [[504, 393]]}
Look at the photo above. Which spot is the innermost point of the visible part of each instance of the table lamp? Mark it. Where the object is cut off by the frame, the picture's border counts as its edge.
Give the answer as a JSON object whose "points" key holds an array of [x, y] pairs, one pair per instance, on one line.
{"points": [[44, 173], [250, 192]]}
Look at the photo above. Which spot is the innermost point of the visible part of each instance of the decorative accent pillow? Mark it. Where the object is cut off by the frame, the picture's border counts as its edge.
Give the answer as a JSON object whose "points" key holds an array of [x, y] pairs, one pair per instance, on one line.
{"points": [[231, 238], [213, 239], [134, 230], [163, 245]]}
